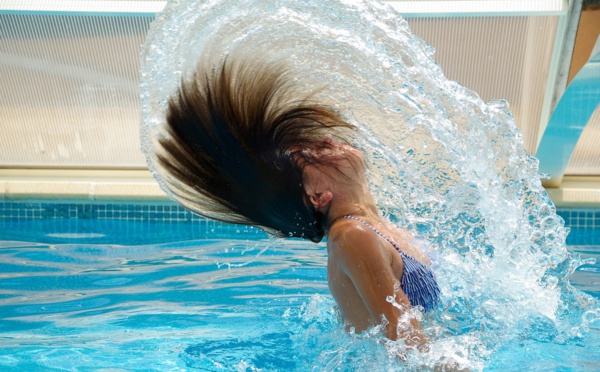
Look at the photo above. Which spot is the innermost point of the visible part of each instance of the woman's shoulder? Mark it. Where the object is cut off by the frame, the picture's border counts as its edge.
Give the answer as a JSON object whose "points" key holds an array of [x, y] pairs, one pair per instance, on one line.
{"points": [[350, 235], [352, 244], [346, 227]]}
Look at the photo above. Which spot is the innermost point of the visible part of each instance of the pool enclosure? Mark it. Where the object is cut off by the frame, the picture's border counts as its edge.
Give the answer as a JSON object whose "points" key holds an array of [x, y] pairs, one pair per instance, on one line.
{"points": [[69, 96]]}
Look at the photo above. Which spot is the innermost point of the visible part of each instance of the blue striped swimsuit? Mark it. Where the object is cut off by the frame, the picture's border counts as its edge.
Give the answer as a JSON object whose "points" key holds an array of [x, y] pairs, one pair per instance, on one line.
{"points": [[418, 282]]}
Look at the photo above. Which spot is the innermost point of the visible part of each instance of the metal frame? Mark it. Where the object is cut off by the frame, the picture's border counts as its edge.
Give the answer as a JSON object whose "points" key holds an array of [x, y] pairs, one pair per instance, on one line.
{"points": [[556, 84], [570, 117], [408, 8], [480, 8], [81, 8]]}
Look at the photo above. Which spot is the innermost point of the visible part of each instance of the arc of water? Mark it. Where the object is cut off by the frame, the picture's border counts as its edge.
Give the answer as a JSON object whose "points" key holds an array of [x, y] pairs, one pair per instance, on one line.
{"points": [[571, 115]]}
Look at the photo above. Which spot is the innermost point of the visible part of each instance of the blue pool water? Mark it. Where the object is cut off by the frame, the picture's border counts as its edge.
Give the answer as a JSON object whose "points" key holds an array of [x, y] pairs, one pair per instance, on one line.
{"points": [[83, 289], [442, 163], [83, 295]]}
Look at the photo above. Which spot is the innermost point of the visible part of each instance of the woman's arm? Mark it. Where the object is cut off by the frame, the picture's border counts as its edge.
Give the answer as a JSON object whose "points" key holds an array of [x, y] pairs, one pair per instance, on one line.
{"points": [[362, 256]]}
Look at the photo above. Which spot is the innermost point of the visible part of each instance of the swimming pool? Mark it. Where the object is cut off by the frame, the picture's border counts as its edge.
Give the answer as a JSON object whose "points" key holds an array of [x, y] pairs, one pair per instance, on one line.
{"points": [[151, 287]]}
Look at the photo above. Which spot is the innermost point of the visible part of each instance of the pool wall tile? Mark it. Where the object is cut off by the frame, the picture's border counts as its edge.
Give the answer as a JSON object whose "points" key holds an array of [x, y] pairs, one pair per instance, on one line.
{"points": [[118, 211], [19, 217], [584, 223]]}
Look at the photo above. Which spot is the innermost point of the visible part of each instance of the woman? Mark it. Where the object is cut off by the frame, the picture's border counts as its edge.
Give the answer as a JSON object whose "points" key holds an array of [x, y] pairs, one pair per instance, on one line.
{"points": [[247, 150]]}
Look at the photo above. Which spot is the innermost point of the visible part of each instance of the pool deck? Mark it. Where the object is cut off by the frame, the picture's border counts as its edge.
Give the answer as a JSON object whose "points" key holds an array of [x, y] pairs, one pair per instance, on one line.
{"points": [[89, 185], [576, 192], [138, 185]]}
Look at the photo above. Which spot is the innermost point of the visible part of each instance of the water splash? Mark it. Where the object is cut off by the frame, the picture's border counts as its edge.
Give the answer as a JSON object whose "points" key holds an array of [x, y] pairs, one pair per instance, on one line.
{"points": [[443, 163]]}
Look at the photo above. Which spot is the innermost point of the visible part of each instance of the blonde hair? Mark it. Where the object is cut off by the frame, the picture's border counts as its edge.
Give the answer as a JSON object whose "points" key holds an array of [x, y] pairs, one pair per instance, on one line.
{"points": [[233, 131]]}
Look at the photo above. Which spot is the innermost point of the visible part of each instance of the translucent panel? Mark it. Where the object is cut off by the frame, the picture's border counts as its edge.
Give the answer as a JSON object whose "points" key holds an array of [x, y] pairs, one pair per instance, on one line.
{"points": [[499, 58], [69, 84], [69, 90], [585, 160]]}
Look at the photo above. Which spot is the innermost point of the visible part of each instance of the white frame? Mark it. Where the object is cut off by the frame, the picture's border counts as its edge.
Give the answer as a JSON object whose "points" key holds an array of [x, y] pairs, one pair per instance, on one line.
{"points": [[408, 8]]}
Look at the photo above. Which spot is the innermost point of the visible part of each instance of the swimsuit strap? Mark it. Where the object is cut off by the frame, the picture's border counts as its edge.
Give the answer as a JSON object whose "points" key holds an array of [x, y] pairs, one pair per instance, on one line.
{"points": [[417, 281], [349, 216]]}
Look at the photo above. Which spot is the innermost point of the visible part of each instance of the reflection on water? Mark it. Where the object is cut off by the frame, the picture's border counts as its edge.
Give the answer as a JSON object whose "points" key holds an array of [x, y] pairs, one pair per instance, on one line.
{"points": [[75, 235], [74, 306]]}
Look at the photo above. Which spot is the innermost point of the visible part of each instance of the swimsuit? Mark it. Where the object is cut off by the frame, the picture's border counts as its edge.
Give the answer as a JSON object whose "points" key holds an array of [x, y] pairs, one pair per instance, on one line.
{"points": [[417, 281]]}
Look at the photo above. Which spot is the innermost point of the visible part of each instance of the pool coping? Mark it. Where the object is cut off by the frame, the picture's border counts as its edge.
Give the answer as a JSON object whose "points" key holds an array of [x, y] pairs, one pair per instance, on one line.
{"points": [[84, 185], [139, 185]]}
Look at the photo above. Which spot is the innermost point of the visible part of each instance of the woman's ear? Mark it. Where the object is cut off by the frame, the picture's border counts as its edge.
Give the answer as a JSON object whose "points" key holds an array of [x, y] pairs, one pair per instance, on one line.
{"points": [[317, 187], [320, 199]]}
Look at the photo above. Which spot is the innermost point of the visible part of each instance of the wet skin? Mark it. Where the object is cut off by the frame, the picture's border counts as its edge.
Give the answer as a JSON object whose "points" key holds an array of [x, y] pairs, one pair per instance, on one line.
{"points": [[363, 269]]}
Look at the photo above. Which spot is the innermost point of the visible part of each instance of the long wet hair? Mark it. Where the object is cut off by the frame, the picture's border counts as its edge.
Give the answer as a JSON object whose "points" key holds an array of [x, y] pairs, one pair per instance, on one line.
{"points": [[234, 135]]}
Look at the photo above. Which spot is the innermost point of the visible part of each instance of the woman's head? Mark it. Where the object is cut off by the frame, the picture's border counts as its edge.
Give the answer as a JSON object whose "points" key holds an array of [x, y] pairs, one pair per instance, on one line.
{"points": [[331, 168], [234, 135]]}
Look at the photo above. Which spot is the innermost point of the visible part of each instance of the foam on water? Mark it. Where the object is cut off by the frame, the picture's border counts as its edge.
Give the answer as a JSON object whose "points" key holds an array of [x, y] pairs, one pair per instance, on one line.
{"points": [[444, 164]]}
